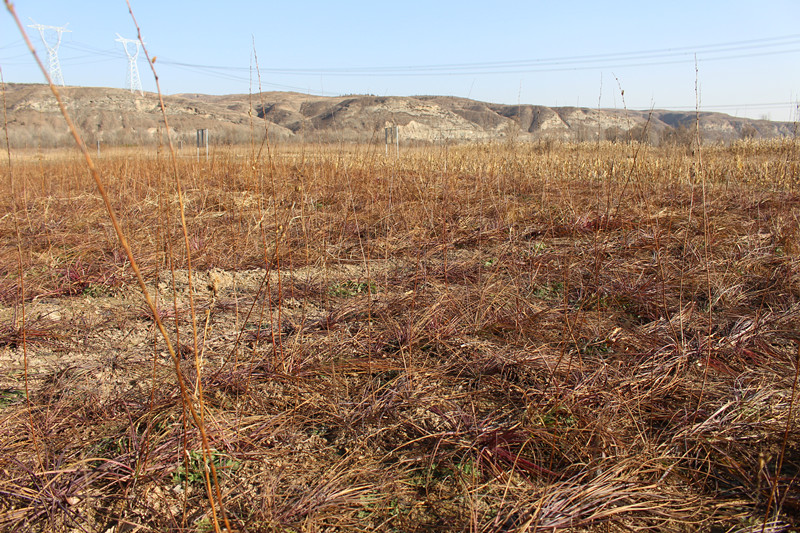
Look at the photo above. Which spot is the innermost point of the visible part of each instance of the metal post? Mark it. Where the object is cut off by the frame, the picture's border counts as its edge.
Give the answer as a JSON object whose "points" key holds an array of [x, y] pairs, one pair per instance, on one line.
{"points": [[98, 148], [392, 136], [202, 139]]}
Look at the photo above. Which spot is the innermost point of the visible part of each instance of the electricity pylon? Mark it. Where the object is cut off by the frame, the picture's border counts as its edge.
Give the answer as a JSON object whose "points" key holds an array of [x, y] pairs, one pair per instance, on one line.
{"points": [[52, 49], [133, 81]]}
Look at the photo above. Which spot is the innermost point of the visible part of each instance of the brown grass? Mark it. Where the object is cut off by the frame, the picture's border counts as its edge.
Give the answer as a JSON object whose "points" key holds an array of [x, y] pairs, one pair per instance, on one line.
{"points": [[477, 338]]}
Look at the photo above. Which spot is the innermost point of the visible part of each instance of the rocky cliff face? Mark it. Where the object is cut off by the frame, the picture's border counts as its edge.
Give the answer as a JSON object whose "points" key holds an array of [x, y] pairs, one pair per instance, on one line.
{"points": [[115, 116]]}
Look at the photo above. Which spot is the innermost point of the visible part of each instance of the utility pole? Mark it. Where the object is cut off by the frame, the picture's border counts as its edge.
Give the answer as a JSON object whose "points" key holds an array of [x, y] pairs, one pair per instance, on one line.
{"points": [[392, 136], [202, 140], [52, 49], [132, 79]]}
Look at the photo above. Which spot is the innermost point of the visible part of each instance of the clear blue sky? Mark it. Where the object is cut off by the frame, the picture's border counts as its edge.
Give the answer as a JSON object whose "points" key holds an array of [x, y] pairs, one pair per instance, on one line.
{"points": [[550, 53]]}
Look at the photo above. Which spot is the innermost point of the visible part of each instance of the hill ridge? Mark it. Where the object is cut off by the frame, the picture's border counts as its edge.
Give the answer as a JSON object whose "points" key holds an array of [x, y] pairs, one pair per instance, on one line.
{"points": [[116, 116]]}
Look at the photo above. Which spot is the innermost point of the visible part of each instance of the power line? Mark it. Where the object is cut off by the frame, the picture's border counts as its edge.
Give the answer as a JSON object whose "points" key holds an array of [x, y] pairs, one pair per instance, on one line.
{"points": [[224, 73], [19, 43], [91, 49], [767, 105], [232, 77], [18, 56], [731, 50], [788, 44], [655, 57]]}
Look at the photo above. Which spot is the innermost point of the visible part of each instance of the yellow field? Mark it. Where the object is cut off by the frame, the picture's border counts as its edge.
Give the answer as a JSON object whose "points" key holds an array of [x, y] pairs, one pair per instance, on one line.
{"points": [[503, 337]]}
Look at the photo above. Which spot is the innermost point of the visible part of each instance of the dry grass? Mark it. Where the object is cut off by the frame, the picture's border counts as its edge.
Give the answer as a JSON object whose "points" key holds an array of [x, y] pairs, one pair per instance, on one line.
{"points": [[477, 338]]}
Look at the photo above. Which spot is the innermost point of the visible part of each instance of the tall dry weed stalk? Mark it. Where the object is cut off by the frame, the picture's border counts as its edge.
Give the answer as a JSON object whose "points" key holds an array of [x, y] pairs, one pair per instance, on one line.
{"points": [[198, 415], [188, 402], [21, 325]]}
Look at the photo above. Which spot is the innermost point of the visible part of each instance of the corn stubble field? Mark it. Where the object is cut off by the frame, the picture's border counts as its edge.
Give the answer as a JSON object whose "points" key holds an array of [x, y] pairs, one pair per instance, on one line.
{"points": [[502, 337]]}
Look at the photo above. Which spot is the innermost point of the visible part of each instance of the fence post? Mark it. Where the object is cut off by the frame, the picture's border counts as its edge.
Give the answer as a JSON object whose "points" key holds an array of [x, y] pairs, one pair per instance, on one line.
{"points": [[202, 139]]}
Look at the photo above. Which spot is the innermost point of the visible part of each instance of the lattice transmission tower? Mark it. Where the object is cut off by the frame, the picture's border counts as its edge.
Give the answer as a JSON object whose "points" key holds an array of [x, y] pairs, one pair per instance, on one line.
{"points": [[133, 81], [52, 48]]}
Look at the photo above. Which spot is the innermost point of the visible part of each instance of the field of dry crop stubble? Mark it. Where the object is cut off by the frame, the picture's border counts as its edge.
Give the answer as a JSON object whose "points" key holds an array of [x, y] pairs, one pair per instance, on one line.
{"points": [[479, 338]]}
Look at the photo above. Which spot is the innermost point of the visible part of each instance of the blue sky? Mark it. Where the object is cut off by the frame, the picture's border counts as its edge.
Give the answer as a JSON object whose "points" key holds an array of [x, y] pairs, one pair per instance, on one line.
{"points": [[550, 53]]}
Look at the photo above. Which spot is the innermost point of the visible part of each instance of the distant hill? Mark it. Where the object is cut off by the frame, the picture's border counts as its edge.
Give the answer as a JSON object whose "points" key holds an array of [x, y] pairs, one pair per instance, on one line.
{"points": [[117, 117]]}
